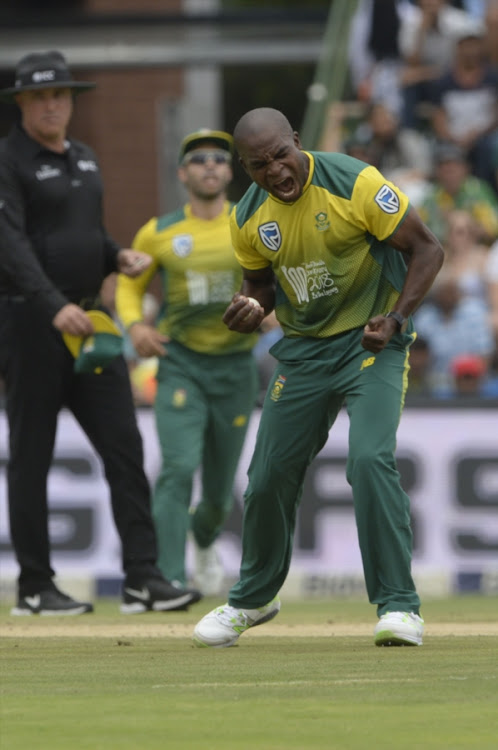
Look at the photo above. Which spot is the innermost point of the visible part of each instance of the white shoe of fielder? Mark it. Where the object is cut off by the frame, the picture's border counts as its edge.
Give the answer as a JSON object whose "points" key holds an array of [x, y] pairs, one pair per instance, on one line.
{"points": [[209, 574], [399, 629], [223, 625]]}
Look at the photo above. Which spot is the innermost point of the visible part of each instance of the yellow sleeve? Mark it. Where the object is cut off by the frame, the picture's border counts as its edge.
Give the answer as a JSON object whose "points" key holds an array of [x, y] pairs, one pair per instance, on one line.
{"points": [[246, 255], [377, 205], [130, 292]]}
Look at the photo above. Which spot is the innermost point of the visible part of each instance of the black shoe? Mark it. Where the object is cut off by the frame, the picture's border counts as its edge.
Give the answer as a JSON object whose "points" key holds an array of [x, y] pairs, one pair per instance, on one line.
{"points": [[50, 602], [156, 595]]}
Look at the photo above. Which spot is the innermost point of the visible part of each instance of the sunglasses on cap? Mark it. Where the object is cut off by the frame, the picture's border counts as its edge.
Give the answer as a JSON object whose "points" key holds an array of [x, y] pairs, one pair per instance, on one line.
{"points": [[201, 157]]}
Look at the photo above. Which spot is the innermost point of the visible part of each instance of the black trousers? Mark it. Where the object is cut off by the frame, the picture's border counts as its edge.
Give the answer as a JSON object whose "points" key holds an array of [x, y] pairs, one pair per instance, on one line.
{"points": [[40, 381]]}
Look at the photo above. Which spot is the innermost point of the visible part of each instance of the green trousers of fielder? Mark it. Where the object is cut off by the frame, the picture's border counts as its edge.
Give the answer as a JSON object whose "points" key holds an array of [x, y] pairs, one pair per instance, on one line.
{"points": [[202, 408], [313, 379]]}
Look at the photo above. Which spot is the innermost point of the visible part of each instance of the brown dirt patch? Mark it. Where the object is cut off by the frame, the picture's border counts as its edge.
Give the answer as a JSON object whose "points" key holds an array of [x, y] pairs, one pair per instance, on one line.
{"points": [[141, 629]]}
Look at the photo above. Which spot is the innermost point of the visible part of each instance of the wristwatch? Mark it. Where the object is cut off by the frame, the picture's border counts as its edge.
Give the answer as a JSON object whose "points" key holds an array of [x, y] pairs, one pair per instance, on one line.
{"points": [[400, 320]]}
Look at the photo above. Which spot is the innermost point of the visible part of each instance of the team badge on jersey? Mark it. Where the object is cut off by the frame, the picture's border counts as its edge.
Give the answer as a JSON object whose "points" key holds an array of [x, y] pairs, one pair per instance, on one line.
{"points": [[183, 245], [270, 235], [322, 221], [278, 387], [387, 200], [179, 398]]}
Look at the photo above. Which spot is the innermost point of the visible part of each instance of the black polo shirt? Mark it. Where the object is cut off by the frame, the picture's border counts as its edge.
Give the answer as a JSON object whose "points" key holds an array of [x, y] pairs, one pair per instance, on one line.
{"points": [[53, 245]]}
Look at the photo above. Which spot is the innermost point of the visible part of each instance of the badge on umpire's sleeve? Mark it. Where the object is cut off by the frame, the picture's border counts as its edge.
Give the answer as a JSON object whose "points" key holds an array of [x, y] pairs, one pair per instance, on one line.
{"points": [[387, 200]]}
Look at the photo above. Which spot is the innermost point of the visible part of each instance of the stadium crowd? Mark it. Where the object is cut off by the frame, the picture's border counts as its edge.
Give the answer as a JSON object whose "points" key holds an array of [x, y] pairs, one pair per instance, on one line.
{"points": [[422, 107], [425, 73]]}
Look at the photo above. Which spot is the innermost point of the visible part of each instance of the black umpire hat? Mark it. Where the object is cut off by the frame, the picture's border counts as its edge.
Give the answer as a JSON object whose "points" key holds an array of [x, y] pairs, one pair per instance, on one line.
{"points": [[44, 70]]}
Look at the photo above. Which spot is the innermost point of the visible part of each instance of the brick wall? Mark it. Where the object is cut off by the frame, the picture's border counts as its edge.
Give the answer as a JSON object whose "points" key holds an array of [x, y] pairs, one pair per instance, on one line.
{"points": [[119, 120]]}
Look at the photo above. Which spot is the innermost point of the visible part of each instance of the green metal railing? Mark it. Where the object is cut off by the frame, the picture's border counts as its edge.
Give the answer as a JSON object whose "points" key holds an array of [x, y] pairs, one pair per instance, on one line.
{"points": [[331, 71]]}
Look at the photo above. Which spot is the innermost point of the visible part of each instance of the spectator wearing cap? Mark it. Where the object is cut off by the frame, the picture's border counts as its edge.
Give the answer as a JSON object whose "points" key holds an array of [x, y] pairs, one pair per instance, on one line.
{"points": [[472, 378], [54, 256], [454, 188], [207, 380], [469, 372], [465, 102]]}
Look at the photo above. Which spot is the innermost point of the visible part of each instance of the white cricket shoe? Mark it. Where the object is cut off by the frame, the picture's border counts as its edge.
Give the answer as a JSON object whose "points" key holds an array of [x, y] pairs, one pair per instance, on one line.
{"points": [[209, 574], [399, 629], [223, 625]]}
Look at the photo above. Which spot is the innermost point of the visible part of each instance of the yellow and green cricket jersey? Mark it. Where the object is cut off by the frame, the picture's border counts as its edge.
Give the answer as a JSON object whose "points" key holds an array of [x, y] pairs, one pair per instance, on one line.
{"points": [[200, 274], [328, 250]]}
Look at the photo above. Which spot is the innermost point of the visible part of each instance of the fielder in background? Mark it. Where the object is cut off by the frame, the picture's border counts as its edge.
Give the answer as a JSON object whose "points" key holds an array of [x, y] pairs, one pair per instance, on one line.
{"points": [[322, 238], [207, 379], [54, 256]]}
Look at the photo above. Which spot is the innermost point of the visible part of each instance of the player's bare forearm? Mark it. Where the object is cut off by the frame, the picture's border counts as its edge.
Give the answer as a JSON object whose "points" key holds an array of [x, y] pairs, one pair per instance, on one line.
{"points": [[260, 285], [425, 258]]}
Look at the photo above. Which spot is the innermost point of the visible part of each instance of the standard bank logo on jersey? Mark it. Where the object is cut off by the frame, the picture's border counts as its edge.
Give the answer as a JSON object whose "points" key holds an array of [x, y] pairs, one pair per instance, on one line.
{"points": [[270, 235], [183, 245], [387, 200]]}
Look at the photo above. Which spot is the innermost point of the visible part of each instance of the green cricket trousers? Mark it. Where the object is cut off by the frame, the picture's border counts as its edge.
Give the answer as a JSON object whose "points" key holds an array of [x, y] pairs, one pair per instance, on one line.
{"points": [[202, 408], [312, 380]]}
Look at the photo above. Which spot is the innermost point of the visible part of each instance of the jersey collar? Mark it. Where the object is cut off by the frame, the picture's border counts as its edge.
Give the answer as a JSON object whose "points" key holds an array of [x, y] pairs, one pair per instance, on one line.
{"points": [[227, 209]]}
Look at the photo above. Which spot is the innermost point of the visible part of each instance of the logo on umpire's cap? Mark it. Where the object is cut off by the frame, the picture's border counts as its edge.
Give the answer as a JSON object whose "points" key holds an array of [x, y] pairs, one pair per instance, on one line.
{"points": [[43, 75]]}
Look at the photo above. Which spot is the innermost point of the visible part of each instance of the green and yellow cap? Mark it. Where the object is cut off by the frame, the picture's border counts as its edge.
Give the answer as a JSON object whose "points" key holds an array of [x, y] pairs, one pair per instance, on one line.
{"points": [[93, 353], [205, 135]]}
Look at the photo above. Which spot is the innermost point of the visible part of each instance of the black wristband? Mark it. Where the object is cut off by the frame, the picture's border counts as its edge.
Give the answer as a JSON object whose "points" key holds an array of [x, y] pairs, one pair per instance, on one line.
{"points": [[401, 322]]}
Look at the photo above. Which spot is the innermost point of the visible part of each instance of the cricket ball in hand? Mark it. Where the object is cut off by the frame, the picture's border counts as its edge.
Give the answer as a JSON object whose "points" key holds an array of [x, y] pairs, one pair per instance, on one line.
{"points": [[254, 303]]}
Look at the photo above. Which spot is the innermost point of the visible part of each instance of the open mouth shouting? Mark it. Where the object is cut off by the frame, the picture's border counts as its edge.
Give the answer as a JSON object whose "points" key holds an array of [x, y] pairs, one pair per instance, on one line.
{"points": [[286, 190]]}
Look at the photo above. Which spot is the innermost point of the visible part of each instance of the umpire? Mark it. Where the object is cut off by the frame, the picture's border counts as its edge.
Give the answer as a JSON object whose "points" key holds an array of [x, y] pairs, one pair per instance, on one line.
{"points": [[54, 256]]}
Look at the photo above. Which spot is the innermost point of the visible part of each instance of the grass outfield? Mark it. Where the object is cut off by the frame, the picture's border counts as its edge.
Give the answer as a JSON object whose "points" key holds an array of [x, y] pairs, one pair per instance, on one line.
{"points": [[311, 678]]}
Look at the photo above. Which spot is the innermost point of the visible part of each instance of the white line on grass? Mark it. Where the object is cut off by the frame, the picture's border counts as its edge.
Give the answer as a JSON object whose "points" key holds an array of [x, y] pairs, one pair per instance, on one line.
{"points": [[283, 683], [309, 683]]}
